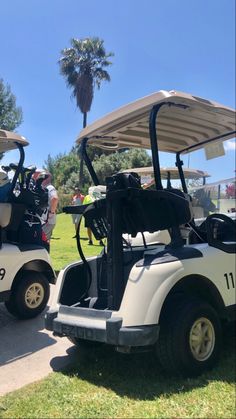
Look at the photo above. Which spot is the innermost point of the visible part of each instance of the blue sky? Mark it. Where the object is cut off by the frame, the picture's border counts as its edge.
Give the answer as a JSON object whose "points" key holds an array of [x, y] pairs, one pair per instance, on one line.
{"points": [[185, 45]]}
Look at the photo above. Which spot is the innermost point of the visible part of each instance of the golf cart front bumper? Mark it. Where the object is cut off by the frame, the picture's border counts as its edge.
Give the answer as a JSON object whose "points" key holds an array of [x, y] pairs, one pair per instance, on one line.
{"points": [[99, 326]]}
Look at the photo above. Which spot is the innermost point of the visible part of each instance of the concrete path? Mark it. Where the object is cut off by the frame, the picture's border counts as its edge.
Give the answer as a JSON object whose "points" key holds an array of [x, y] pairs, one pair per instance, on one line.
{"points": [[28, 352]]}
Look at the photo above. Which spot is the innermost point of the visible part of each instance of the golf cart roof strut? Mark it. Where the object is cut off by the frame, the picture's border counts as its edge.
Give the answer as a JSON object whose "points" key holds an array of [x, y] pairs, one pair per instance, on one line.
{"points": [[154, 143], [179, 163], [84, 155], [19, 167], [192, 147]]}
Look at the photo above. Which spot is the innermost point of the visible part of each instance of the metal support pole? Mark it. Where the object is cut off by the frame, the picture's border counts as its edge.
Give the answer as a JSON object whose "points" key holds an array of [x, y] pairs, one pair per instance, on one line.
{"points": [[179, 163], [19, 167], [84, 155], [153, 140]]}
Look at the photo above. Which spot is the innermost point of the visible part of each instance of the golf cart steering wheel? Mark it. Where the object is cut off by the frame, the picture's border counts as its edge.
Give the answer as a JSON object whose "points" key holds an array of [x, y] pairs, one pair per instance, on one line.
{"points": [[221, 232]]}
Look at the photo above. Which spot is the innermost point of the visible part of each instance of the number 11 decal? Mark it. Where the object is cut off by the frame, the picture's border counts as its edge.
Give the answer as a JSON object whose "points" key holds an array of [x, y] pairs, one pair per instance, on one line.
{"points": [[229, 280]]}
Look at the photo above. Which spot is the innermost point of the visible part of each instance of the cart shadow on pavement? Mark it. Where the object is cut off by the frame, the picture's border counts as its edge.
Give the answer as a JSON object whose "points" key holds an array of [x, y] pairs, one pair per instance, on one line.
{"points": [[20, 338], [72, 355]]}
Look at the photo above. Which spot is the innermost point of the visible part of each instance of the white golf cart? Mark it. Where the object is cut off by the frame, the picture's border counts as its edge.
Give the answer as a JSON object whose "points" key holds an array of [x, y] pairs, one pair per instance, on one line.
{"points": [[167, 173], [25, 267], [172, 299], [221, 192]]}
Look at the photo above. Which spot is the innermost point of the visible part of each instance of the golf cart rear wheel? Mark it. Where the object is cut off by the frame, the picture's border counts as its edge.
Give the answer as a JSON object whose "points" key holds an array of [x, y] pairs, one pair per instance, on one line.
{"points": [[29, 295], [190, 338]]}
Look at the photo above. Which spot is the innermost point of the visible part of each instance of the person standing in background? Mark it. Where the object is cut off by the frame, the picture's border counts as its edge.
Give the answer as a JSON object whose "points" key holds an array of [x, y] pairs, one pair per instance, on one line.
{"points": [[94, 193], [88, 200], [48, 217], [77, 199]]}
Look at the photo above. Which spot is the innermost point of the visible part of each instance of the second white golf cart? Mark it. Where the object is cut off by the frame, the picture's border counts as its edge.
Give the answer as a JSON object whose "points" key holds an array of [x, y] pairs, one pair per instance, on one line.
{"points": [[171, 299], [25, 266]]}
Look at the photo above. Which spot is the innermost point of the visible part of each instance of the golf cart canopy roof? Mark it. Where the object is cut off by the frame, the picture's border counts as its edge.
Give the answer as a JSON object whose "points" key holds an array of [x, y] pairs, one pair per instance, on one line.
{"points": [[190, 125], [172, 171], [9, 140], [218, 182]]}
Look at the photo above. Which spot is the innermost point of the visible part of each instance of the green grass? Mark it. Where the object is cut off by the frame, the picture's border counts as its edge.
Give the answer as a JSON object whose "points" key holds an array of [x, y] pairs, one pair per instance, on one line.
{"points": [[105, 384], [63, 246]]}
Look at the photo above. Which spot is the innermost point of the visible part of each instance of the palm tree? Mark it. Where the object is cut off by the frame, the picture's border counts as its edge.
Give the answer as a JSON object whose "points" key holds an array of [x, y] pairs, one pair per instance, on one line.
{"points": [[83, 67]]}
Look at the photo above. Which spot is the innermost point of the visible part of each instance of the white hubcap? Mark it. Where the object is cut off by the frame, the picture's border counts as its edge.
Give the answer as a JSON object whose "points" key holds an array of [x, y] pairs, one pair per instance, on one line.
{"points": [[34, 295], [202, 339]]}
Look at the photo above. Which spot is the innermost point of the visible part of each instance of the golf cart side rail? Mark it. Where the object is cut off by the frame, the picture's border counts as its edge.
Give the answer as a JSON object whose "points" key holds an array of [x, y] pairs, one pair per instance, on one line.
{"points": [[227, 135]]}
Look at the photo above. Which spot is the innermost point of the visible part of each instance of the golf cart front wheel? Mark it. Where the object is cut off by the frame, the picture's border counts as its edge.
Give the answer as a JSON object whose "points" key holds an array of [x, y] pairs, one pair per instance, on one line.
{"points": [[190, 338], [29, 295]]}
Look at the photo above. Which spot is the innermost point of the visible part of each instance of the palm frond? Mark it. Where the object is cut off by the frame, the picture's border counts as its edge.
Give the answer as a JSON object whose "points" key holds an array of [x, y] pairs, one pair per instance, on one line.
{"points": [[82, 65], [99, 76]]}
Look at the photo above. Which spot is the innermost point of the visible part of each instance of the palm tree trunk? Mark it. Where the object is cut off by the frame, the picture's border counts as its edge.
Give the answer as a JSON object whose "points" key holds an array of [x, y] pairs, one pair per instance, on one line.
{"points": [[81, 173], [84, 119], [81, 169]]}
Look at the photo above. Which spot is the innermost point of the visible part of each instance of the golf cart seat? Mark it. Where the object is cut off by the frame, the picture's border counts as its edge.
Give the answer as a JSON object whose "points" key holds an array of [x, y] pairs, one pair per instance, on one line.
{"points": [[11, 215], [134, 209], [5, 218], [144, 210], [5, 214], [137, 210]]}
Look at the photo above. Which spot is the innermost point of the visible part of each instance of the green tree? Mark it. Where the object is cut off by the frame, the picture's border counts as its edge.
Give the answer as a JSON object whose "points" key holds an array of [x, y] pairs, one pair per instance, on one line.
{"points": [[61, 167], [108, 165], [65, 175], [10, 115], [65, 169], [83, 65], [137, 157]]}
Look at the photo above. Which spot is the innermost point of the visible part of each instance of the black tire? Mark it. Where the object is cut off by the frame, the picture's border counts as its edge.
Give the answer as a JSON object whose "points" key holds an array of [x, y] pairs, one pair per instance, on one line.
{"points": [[190, 337], [29, 295], [84, 344]]}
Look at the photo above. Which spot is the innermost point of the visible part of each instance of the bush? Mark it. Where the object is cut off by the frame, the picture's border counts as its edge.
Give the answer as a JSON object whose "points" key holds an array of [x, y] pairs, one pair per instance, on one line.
{"points": [[64, 200]]}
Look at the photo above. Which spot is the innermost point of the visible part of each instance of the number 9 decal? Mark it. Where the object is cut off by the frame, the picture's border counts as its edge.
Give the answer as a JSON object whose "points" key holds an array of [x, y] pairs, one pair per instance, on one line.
{"points": [[2, 273]]}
